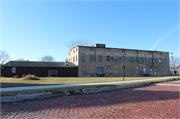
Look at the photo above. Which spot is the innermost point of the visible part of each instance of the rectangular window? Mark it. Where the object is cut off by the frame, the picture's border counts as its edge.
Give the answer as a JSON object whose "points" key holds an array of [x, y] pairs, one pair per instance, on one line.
{"points": [[162, 59], [76, 57], [138, 59], [123, 51], [136, 52], [91, 49], [159, 59], [100, 58], [108, 67], [82, 57], [149, 68], [112, 59], [123, 59], [13, 69], [119, 59], [161, 68], [129, 59], [150, 59], [167, 69], [142, 59], [135, 59], [91, 57], [165, 60], [124, 67], [147, 59], [160, 53], [154, 68], [73, 59], [108, 58], [73, 51], [107, 50], [115, 58], [156, 59], [149, 52], [153, 59]]}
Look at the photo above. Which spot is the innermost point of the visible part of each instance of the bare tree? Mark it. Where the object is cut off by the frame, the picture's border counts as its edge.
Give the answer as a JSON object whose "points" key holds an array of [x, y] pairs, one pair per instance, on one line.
{"points": [[175, 63], [20, 59], [78, 42], [47, 58], [4, 57]]}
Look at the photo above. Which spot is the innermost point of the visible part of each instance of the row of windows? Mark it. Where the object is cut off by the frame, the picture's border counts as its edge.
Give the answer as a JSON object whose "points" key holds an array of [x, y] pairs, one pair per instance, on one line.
{"points": [[130, 59], [149, 68], [123, 51]]}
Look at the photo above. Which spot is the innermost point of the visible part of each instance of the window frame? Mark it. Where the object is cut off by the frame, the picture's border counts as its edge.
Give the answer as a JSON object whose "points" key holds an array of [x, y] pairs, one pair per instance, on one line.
{"points": [[82, 57], [91, 58]]}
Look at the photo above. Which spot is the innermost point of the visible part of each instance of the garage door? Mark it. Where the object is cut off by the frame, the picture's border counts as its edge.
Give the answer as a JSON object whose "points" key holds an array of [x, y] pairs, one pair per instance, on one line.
{"points": [[100, 70]]}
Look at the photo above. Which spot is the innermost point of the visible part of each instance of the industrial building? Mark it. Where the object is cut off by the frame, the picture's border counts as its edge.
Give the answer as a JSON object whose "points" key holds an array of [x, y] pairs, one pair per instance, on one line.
{"points": [[100, 60]]}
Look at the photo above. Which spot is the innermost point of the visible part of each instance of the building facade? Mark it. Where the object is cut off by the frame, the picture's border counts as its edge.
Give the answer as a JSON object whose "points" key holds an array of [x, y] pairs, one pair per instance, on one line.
{"points": [[99, 60]]}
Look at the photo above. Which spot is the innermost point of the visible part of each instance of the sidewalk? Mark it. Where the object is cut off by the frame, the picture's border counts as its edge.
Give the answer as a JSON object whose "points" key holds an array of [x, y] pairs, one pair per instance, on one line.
{"points": [[72, 85]]}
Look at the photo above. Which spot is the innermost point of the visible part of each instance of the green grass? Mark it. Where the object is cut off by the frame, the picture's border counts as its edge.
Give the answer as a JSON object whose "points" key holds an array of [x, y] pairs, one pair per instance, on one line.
{"points": [[10, 93], [16, 82]]}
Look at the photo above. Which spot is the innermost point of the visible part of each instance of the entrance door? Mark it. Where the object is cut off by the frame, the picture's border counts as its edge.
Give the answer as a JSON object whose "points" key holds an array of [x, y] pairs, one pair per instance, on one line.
{"points": [[144, 70], [100, 70]]}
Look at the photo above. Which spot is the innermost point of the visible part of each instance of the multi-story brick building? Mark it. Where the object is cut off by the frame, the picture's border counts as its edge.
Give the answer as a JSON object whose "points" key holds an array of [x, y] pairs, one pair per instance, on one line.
{"points": [[99, 60]]}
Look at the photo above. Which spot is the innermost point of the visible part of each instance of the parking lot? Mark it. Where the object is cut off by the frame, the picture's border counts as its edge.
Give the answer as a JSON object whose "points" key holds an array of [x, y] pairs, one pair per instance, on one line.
{"points": [[157, 101]]}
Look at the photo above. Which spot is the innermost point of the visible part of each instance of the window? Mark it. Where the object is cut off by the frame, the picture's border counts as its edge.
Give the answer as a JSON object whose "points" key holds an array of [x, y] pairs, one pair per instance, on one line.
{"points": [[100, 58], [91, 57], [154, 68], [123, 59], [76, 49], [108, 75], [107, 50], [142, 59], [165, 60], [124, 67], [73, 59], [150, 59], [108, 58], [123, 51], [162, 59], [136, 52], [119, 59], [13, 69], [115, 58], [135, 59], [82, 57], [161, 68], [112, 58], [167, 69], [149, 52], [76, 57], [160, 53], [138, 59], [156, 59], [153, 59], [147, 59], [91, 49], [129, 59], [149, 68], [73, 51], [108, 67], [159, 59]]}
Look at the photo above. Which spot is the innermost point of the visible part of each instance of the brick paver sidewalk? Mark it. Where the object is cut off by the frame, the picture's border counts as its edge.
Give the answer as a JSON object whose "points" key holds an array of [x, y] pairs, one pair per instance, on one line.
{"points": [[160, 101]]}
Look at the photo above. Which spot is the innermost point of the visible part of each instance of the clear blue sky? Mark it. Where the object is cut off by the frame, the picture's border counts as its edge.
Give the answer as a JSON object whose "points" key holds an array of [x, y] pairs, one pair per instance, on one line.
{"points": [[32, 29]]}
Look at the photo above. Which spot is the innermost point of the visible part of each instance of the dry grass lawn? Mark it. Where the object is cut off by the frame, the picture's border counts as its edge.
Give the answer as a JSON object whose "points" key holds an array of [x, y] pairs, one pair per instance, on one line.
{"points": [[14, 82]]}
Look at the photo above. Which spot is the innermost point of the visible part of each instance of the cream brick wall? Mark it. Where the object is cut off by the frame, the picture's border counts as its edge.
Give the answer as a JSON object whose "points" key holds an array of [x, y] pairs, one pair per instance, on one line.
{"points": [[89, 68], [74, 55]]}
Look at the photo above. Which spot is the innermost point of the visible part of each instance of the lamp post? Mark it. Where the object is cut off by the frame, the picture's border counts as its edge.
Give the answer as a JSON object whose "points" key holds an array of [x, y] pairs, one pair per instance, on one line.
{"points": [[123, 66], [174, 67]]}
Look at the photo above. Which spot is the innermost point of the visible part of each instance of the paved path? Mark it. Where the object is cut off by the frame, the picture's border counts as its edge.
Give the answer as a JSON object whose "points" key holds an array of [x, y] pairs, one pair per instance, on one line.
{"points": [[71, 85], [158, 101]]}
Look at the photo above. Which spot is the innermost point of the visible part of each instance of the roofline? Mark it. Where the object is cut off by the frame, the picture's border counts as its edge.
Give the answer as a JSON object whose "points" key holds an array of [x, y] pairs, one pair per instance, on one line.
{"points": [[124, 49]]}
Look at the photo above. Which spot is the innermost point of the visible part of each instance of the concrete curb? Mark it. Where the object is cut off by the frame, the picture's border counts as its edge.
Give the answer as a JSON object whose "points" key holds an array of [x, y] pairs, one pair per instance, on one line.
{"points": [[78, 91]]}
